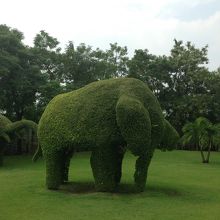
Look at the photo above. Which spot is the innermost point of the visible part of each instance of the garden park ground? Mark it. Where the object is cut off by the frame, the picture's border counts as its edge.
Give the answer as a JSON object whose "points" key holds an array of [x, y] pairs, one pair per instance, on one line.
{"points": [[179, 187]]}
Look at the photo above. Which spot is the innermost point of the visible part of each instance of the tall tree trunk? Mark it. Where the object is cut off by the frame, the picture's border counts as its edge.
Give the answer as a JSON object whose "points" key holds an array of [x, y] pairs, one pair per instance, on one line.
{"points": [[201, 151], [209, 151], [202, 155]]}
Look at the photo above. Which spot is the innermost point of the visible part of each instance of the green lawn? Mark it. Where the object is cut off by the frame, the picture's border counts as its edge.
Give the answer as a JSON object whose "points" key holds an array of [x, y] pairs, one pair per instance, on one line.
{"points": [[179, 187]]}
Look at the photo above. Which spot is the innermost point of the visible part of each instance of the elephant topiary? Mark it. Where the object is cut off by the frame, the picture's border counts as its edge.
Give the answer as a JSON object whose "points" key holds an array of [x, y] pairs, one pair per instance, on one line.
{"points": [[109, 117], [8, 129]]}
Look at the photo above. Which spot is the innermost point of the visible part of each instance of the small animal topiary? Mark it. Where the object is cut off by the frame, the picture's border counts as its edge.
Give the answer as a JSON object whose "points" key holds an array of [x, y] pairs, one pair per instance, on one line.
{"points": [[8, 128], [108, 116]]}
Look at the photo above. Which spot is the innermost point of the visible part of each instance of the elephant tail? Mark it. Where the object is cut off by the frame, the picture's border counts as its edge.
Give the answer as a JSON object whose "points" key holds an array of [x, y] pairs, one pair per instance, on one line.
{"points": [[37, 154]]}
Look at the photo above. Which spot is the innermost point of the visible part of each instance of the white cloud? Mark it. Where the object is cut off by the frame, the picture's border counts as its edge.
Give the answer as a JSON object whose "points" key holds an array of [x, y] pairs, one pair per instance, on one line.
{"points": [[132, 23]]}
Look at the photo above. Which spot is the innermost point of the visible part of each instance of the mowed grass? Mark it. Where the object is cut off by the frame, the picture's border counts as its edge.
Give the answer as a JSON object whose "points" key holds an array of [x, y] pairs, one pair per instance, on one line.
{"points": [[179, 187]]}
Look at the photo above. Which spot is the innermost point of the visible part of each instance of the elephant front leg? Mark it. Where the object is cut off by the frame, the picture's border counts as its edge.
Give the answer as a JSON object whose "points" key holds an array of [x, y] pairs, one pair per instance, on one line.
{"points": [[118, 171], [134, 122], [103, 163], [141, 170]]}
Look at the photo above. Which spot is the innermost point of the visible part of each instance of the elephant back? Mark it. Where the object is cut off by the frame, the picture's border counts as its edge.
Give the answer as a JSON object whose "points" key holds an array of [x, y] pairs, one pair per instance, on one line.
{"points": [[88, 115]]}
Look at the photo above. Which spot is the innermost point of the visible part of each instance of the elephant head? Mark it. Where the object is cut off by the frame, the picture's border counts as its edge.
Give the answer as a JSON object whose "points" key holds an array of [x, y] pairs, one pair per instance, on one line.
{"points": [[170, 137]]}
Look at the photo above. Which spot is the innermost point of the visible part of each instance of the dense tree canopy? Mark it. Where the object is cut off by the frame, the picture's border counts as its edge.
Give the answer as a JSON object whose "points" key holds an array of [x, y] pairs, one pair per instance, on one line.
{"points": [[31, 76], [19, 76], [183, 84]]}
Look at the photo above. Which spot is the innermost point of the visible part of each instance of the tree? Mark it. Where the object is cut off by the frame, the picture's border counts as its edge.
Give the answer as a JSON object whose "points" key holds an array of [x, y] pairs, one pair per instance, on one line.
{"points": [[48, 55], [117, 60], [187, 73], [152, 70], [179, 80], [46, 92], [211, 137], [83, 65], [19, 76], [49, 58], [192, 133], [78, 66], [213, 85], [203, 134]]}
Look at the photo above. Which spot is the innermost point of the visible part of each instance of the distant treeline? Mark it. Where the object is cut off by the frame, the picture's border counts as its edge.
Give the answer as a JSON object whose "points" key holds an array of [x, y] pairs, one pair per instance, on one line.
{"points": [[31, 76]]}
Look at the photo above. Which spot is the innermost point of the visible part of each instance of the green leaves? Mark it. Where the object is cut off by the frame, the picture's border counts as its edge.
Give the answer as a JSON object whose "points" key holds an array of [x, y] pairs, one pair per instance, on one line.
{"points": [[202, 133], [170, 137], [8, 129], [83, 65], [19, 76], [179, 80], [31, 76], [44, 41]]}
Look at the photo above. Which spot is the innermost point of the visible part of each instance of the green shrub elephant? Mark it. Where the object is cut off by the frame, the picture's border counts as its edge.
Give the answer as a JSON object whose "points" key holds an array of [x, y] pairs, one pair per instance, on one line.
{"points": [[108, 117], [9, 129]]}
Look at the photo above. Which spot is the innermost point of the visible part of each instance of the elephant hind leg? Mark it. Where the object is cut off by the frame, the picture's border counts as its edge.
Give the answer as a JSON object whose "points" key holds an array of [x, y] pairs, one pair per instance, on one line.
{"points": [[53, 169], [57, 167], [66, 157]]}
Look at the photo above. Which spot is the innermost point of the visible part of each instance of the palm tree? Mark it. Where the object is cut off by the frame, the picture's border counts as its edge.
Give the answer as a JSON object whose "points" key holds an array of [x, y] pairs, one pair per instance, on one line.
{"points": [[211, 138], [192, 132], [203, 134], [9, 129]]}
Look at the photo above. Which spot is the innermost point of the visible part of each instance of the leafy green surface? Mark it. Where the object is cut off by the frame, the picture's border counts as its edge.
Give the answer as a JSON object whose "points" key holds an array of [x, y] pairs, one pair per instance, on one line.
{"points": [[179, 187], [106, 116], [7, 128]]}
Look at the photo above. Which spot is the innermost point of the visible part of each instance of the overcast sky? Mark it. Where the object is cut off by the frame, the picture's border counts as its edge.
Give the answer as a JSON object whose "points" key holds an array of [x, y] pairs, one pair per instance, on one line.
{"points": [[137, 24]]}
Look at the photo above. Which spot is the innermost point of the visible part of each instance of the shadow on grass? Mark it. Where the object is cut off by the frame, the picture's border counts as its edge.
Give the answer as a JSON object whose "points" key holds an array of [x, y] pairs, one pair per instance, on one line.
{"points": [[123, 189], [165, 190], [89, 187], [78, 187]]}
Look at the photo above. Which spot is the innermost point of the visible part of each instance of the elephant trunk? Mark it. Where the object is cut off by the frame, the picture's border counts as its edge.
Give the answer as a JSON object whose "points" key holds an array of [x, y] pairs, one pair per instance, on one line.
{"points": [[22, 124], [170, 137]]}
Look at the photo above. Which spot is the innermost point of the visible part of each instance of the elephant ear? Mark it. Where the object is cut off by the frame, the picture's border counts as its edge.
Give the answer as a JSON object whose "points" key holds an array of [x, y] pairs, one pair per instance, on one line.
{"points": [[134, 123]]}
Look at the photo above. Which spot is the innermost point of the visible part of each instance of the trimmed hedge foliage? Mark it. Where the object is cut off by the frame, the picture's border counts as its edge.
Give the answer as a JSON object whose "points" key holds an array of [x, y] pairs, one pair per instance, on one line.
{"points": [[108, 117], [7, 128], [4, 138], [170, 137]]}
